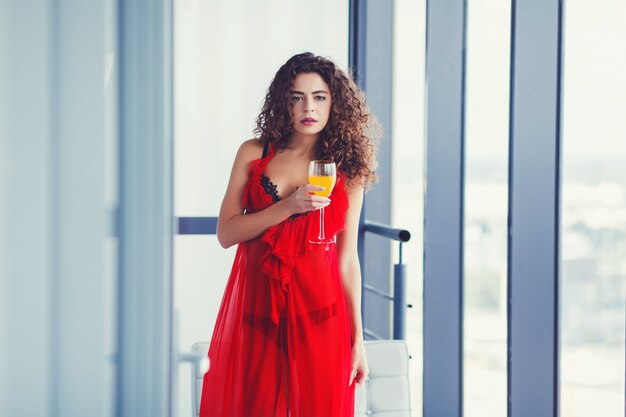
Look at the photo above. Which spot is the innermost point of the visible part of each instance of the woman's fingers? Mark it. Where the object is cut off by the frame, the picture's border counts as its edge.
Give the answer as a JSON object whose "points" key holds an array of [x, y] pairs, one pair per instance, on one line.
{"points": [[360, 378], [357, 377], [314, 201], [358, 374], [352, 376], [303, 199], [309, 188], [320, 203]]}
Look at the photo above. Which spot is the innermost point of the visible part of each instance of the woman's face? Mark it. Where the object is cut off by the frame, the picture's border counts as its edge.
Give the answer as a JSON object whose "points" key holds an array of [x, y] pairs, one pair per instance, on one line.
{"points": [[311, 103]]}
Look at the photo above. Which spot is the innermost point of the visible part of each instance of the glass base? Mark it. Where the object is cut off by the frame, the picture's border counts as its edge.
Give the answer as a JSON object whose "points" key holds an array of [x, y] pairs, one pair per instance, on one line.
{"points": [[322, 241]]}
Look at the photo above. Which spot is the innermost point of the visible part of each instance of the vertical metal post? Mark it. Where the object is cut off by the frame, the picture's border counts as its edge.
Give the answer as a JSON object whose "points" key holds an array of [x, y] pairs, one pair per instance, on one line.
{"points": [[399, 302], [146, 218], [534, 194], [443, 222], [399, 299]]}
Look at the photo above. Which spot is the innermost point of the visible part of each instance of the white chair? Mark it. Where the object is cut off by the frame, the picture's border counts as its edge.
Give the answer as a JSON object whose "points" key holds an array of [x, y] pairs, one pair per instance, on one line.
{"points": [[384, 394]]}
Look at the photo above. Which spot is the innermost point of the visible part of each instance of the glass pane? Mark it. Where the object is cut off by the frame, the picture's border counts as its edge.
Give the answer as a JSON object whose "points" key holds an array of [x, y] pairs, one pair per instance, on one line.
{"points": [[408, 170], [226, 53], [593, 263], [486, 204]]}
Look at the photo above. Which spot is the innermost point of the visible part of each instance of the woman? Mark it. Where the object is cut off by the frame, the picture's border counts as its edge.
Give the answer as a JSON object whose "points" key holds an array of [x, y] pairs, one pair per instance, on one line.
{"points": [[288, 340]]}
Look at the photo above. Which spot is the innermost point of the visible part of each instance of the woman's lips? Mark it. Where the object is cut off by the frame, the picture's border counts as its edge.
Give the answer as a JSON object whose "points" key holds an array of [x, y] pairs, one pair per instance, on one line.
{"points": [[308, 122]]}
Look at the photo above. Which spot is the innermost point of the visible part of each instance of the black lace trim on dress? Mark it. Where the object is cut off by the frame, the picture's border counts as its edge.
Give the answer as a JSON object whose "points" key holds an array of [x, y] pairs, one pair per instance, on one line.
{"points": [[266, 150], [271, 190]]}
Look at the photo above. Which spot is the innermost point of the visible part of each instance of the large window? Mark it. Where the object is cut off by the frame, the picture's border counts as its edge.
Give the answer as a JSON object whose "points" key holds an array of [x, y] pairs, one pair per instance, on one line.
{"points": [[408, 169], [486, 205], [593, 255]]}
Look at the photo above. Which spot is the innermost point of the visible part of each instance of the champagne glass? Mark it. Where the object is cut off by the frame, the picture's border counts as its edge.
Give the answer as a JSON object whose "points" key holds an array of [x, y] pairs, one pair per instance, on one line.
{"points": [[324, 174]]}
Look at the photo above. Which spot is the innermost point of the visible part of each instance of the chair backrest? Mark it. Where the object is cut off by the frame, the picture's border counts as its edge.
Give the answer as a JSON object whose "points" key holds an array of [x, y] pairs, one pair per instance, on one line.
{"points": [[197, 377], [385, 394]]}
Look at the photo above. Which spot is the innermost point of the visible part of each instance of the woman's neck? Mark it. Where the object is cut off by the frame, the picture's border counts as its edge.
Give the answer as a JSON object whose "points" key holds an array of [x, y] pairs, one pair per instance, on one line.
{"points": [[303, 145]]}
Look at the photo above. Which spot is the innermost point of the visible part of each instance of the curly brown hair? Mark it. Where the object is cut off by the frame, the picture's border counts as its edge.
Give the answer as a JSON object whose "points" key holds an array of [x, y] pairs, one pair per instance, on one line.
{"points": [[351, 135]]}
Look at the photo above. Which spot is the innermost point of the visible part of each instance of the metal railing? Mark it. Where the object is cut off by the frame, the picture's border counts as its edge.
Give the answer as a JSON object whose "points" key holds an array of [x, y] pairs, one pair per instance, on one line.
{"points": [[208, 226], [399, 279], [196, 225]]}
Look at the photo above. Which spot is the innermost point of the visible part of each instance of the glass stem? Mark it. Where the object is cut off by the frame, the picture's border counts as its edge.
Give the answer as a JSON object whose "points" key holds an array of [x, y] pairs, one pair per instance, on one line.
{"points": [[321, 235]]}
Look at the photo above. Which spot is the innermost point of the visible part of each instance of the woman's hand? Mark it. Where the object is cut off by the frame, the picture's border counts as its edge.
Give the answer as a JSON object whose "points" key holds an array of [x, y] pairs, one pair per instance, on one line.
{"points": [[303, 199], [359, 369]]}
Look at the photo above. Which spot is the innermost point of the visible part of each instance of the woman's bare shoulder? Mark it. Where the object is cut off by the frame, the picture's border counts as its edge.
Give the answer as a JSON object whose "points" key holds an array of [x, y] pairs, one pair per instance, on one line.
{"points": [[353, 185], [250, 149]]}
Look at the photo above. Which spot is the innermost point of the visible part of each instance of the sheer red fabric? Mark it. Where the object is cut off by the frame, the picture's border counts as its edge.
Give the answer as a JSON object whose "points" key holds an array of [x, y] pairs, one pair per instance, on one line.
{"points": [[281, 344]]}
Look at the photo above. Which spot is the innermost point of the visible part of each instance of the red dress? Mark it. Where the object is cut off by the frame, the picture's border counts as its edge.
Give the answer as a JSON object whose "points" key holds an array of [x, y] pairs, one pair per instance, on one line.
{"points": [[281, 345]]}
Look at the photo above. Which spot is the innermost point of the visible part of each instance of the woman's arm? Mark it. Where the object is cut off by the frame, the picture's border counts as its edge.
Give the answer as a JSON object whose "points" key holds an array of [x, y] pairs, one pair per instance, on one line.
{"points": [[232, 225], [351, 279]]}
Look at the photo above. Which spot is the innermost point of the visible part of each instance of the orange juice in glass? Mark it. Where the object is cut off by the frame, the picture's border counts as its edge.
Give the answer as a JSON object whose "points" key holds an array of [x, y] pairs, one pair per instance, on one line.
{"points": [[325, 181], [324, 174]]}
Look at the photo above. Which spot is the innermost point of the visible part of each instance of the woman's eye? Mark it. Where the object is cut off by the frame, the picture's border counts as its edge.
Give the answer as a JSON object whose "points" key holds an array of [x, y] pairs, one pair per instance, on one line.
{"points": [[320, 98], [296, 98]]}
